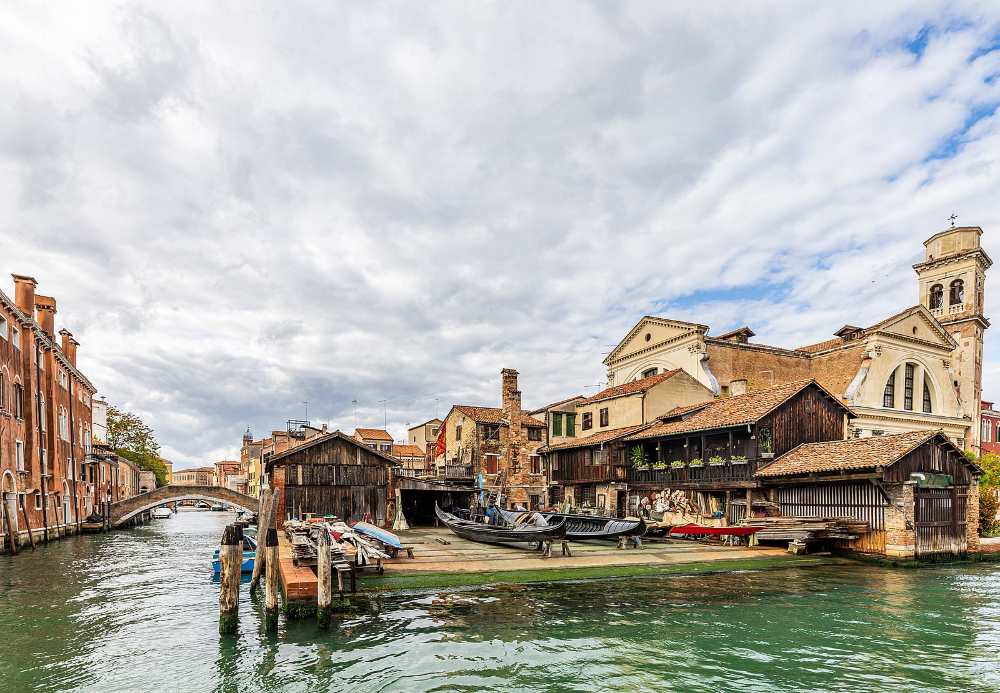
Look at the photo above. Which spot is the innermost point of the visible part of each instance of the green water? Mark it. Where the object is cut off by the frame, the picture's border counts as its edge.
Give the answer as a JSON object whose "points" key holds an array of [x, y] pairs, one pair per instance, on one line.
{"points": [[137, 611]]}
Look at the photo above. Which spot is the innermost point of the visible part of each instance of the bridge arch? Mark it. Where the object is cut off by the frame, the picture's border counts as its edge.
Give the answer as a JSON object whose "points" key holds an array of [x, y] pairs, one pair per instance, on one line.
{"points": [[124, 510]]}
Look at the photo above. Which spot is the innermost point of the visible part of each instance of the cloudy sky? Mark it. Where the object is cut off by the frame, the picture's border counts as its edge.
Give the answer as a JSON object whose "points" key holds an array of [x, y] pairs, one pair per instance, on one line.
{"points": [[241, 208]]}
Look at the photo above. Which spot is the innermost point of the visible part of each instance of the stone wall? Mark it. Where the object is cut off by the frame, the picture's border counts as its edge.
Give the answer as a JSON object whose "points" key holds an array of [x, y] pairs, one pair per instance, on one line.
{"points": [[900, 537], [972, 517]]}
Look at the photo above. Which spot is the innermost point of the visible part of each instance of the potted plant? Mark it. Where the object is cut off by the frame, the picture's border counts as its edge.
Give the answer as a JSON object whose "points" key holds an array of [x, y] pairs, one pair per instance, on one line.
{"points": [[638, 458], [738, 459], [677, 464], [716, 460]]}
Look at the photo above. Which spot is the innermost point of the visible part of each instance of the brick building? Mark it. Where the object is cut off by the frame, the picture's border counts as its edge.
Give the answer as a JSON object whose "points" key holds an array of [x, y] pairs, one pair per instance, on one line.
{"points": [[488, 440], [989, 428], [46, 475], [196, 476]]}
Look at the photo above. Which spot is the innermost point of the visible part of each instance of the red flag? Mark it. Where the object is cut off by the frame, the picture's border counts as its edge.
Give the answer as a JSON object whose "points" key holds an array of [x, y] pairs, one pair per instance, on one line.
{"points": [[439, 445]]}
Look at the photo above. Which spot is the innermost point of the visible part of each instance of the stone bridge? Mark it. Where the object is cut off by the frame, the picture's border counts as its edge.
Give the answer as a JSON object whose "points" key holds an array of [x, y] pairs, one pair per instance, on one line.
{"points": [[130, 507]]}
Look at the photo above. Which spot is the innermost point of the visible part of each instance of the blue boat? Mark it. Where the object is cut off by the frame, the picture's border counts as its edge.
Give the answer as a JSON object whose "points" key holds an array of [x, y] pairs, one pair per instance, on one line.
{"points": [[249, 551]]}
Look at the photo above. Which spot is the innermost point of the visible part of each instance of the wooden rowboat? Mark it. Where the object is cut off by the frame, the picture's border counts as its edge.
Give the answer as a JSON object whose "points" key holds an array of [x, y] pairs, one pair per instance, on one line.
{"points": [[495, 534], [582, 526]]}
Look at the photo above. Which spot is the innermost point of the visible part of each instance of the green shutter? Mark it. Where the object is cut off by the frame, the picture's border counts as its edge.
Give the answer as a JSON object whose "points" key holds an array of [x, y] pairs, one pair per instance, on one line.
{"points": [[556, 424], [571, 425]]}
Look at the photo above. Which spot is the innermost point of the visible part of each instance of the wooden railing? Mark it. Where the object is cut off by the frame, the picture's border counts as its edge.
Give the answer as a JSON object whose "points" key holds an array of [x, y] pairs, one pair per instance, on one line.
{"points": [[695, 475], [458, 471]]}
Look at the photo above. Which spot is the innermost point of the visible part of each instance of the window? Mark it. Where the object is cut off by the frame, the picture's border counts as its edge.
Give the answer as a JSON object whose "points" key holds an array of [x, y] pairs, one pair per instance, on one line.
{"points": [[927, 396], [908, 388], [557, 423], [458, 432], [3, 391], [38, 500], [936, 299], [588, 421], [535, 464], [889, 395], [534, 433], [491, 462], [41, 412], [649, 372], [15, 338], [490, 432], [19, 454], [957, 294], [3, 327], [45, 462], [434, 430], [604, 416], [570, 425], [986, 430], [63, 424], [63, 380], [877, 432]]}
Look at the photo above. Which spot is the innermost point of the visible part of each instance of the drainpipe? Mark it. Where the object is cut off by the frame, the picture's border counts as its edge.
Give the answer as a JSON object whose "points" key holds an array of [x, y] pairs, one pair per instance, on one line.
{"points": [[41, 440]]}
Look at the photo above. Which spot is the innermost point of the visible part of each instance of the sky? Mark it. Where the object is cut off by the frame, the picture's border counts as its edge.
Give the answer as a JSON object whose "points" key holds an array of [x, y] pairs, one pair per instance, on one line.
{"points": [[374, 207]]}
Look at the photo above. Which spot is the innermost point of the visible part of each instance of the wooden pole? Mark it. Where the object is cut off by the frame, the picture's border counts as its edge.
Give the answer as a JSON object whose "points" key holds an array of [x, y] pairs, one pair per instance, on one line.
{"points": [[324, 579], [27, 523], [230, 559], [9, 519], [270, 579], [263, 524]]}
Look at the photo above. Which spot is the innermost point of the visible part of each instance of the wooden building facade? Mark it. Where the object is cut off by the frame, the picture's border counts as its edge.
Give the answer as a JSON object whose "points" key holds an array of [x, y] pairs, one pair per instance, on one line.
{"points": [[712, 451], [334, 474], [917, 491], [590, 473]]}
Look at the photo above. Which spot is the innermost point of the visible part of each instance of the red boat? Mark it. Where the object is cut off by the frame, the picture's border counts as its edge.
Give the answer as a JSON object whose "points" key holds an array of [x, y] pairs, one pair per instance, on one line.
{"points": [[714, 531]]}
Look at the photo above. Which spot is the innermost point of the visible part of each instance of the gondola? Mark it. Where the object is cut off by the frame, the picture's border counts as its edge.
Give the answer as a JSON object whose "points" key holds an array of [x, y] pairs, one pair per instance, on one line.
{"points": [[583, 526], [495, 534]]}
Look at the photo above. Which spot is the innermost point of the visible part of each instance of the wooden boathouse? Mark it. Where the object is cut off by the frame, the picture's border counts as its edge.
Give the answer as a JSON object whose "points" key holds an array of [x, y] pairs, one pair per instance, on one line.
{"points": [[334, 474], [917, 491], [713, 450]]}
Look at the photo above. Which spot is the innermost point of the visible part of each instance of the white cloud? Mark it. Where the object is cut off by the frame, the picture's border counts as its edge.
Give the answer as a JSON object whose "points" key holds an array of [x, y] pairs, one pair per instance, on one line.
{"points": [[240, 210]]}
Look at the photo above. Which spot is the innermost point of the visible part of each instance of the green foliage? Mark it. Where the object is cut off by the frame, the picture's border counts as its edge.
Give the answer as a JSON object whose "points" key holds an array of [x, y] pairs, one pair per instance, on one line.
{"points": [[715, 459], [677, 464], [132, 439], [638, 458], [738, 459], [990, 462], [989, 503]]}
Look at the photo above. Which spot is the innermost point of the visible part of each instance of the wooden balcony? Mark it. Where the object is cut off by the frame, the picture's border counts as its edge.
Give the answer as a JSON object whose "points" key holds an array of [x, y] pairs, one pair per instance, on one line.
{"points": [[728, 474], [458, 471]]}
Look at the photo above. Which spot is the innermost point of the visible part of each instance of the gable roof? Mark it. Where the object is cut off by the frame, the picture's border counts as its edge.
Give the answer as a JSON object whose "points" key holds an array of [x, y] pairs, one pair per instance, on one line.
{"points": [[849, 334], [435, 420], [372, 434], [319, 440], [594, 439], [667, 322], [730, 411], [632, 387], [494, 415], [848, 455], [545, 408]]}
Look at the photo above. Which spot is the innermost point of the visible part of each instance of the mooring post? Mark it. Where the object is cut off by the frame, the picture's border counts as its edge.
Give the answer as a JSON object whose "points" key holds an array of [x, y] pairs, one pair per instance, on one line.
{"points": [[271, 579], [263, 525], [324, 578], [230, 560]]}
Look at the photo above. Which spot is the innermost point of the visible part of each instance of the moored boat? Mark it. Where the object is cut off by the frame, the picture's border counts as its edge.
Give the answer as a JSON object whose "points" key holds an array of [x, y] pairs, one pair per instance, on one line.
{"points": [[495, 534], [249, 552], [581, 526], [162, 513]]}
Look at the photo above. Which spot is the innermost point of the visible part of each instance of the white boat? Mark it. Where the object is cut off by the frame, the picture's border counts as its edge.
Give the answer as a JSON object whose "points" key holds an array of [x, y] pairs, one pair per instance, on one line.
{"points": [[162, 513]]}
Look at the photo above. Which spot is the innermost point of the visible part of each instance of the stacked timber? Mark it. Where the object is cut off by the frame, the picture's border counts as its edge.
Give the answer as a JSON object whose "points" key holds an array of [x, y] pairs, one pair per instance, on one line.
{"points": [[805, 529]]}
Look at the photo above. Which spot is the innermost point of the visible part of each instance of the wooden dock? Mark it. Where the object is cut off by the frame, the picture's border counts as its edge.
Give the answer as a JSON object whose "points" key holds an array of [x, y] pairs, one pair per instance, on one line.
{"points": [[298, 583]]}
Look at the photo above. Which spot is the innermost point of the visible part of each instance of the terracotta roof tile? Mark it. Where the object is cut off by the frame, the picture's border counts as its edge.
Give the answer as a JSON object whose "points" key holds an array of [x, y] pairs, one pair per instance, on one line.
{"points": [[630, 388], [406, 450], [372, 434], [726, 412], [495, 415], [846, 455], [594, 439]]}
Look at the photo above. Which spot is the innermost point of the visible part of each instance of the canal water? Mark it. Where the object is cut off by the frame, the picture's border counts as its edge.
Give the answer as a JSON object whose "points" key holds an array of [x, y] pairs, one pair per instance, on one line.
{"points": [[136, 610]]}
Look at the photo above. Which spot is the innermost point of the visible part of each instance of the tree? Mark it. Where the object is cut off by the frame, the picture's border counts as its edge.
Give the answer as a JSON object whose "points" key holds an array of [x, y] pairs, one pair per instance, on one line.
{"points": [[132, 439], [989, 490]]}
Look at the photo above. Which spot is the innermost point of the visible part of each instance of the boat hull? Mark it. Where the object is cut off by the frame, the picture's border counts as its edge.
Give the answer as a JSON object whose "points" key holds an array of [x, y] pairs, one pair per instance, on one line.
{"points": [[584, 526], [491, 534]]}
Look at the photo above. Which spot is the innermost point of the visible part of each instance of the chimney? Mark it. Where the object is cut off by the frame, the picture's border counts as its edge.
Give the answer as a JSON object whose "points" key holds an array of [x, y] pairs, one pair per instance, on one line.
{"points": [[69, 345], [511, 398], [24, 294], [45, 314]]}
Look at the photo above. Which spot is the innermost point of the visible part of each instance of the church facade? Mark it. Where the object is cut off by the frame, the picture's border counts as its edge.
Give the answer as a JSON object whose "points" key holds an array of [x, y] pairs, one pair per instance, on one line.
{"points": [[919, 369]]}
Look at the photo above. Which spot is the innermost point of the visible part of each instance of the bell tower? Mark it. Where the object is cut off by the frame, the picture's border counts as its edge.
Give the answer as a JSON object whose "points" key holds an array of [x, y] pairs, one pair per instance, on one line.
{"points": [[951, 280]]}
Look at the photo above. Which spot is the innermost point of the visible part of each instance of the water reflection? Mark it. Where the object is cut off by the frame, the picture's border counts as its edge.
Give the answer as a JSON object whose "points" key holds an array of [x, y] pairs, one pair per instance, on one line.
{"points": [[138, 610]]}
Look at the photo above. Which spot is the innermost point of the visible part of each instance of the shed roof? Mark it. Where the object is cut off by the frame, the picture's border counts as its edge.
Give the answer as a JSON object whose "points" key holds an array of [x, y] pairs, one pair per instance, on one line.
{"points": [[632, 387], [594, 439], [321, 439], [373, 434], [495, 415]]}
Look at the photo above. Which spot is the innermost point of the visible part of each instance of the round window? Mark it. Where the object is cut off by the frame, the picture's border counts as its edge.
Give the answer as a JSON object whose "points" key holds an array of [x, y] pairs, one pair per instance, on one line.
{"points": [[648, 336]]}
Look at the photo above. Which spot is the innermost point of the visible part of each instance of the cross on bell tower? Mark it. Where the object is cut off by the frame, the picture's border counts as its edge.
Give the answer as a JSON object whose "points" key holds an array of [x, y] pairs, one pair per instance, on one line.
{"points": [[952, 219]]}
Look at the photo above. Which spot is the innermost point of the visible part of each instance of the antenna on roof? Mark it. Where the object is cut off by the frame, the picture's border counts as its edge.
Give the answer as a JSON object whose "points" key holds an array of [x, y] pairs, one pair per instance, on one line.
{"points": [[354, 403]]}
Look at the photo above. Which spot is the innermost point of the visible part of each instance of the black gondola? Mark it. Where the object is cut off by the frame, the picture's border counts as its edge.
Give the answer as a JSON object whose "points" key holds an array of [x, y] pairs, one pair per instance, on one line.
{"points": [[582, 526], [495, 534]]}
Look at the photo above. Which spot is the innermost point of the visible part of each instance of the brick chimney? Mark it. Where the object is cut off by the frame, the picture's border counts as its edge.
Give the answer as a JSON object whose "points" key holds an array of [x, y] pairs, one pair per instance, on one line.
{"points": [[24, 294], [69, 345], [45, 314]]}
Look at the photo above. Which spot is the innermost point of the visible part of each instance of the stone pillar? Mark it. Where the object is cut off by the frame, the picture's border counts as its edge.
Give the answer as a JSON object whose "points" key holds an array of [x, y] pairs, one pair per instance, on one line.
{"points": [[900, 535], [972, 517]]}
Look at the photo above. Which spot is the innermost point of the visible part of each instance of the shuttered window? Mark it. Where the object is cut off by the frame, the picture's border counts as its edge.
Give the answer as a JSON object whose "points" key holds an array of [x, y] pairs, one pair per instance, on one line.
{"points": [[556, 423], [571, 425]]}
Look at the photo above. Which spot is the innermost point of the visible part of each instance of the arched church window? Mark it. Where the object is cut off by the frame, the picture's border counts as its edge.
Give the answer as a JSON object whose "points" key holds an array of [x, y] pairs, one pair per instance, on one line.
{"points": [[908, 387], [936, 297], [889, 394], [927, 396], [957, 292]]}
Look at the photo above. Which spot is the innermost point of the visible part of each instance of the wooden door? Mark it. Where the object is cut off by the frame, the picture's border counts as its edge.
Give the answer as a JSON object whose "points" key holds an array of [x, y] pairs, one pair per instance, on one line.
{"points": [[939, 520]]}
